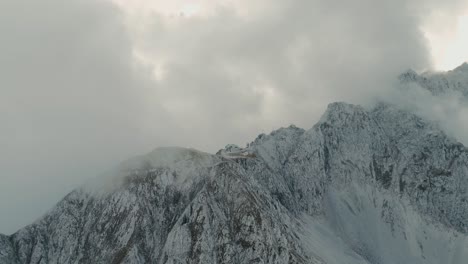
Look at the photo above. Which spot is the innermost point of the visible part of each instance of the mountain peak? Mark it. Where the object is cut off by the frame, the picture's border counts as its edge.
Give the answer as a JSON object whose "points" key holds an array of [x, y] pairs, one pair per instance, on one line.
{"points": [[165, 157], [339, 112], [409, 76], [179, 164], [462, 68], [439, 83]]}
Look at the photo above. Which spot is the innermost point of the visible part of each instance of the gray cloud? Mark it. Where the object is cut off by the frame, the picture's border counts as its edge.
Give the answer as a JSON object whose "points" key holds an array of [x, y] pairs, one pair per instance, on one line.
{"points": [[74, 101], [284, 62]]}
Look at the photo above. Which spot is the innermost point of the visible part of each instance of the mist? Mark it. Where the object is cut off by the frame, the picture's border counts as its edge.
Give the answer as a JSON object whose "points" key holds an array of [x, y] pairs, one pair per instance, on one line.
{"points": [[448, 111], [86, 84]]}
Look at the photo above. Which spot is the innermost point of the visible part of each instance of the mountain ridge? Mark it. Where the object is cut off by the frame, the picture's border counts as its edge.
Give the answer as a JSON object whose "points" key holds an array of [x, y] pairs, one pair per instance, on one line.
{"points": [[375, 186], [440, 83]]}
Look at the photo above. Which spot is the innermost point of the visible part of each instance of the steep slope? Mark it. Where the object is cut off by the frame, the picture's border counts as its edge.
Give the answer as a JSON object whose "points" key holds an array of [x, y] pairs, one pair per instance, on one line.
{"points": [[392, 186], [377, 186], [198, 209]]}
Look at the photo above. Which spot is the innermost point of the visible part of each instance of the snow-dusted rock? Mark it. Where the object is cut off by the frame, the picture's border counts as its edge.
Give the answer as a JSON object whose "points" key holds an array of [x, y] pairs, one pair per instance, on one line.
{"points": [[7, 253]]}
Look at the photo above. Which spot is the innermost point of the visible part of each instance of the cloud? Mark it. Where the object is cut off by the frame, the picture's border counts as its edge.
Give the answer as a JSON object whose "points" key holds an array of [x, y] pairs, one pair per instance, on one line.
{"points": [[73, 101], [249, 67], [84, 84], [445, 107]]}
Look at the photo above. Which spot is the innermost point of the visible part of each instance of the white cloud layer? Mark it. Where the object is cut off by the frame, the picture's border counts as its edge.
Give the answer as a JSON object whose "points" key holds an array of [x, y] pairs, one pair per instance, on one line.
{"points": [[85, 84]]}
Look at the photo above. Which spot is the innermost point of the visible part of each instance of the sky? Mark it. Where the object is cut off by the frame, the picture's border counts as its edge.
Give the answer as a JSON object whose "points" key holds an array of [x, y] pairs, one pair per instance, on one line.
{"points": [[86, 84]]}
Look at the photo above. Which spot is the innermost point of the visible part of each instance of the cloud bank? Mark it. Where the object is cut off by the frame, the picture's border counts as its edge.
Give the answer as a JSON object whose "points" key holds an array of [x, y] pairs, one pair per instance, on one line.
{"points": [[85, 84], [73, 101]]}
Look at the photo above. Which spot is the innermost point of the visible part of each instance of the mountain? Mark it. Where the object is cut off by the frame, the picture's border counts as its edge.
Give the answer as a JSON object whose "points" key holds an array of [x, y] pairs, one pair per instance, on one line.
{"points": [[440, 83], [374, 186]]}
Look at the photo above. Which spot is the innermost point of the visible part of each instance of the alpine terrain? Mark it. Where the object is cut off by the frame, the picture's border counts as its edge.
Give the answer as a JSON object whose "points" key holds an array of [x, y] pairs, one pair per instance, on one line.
{"points": [[370, 186]]}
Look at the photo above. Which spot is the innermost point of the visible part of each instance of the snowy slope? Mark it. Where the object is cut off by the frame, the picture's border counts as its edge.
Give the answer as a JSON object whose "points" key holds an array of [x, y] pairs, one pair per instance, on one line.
{"points": [[376, 186]]}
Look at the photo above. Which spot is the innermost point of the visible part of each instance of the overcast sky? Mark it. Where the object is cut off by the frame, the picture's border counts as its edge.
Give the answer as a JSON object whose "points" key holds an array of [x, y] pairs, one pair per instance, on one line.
{"points": [[85, 84]]}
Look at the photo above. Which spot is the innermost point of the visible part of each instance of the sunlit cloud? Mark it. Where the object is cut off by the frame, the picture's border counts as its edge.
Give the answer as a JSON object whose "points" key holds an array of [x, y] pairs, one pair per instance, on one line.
{"points": [[449, 47]]}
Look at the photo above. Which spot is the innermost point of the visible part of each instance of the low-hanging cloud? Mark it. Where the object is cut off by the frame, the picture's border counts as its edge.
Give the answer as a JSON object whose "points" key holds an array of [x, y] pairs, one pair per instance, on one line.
{"points": [[79, 93], [447, 109]]}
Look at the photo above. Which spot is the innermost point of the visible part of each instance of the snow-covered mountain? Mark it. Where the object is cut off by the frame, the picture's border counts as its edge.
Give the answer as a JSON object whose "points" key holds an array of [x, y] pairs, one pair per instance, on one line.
{"points": [[441, 82], [378, 186]]}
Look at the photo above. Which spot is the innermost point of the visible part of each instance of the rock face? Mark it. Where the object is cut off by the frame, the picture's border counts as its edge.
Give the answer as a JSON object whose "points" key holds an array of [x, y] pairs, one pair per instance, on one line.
{"points": [[373, 186]]}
